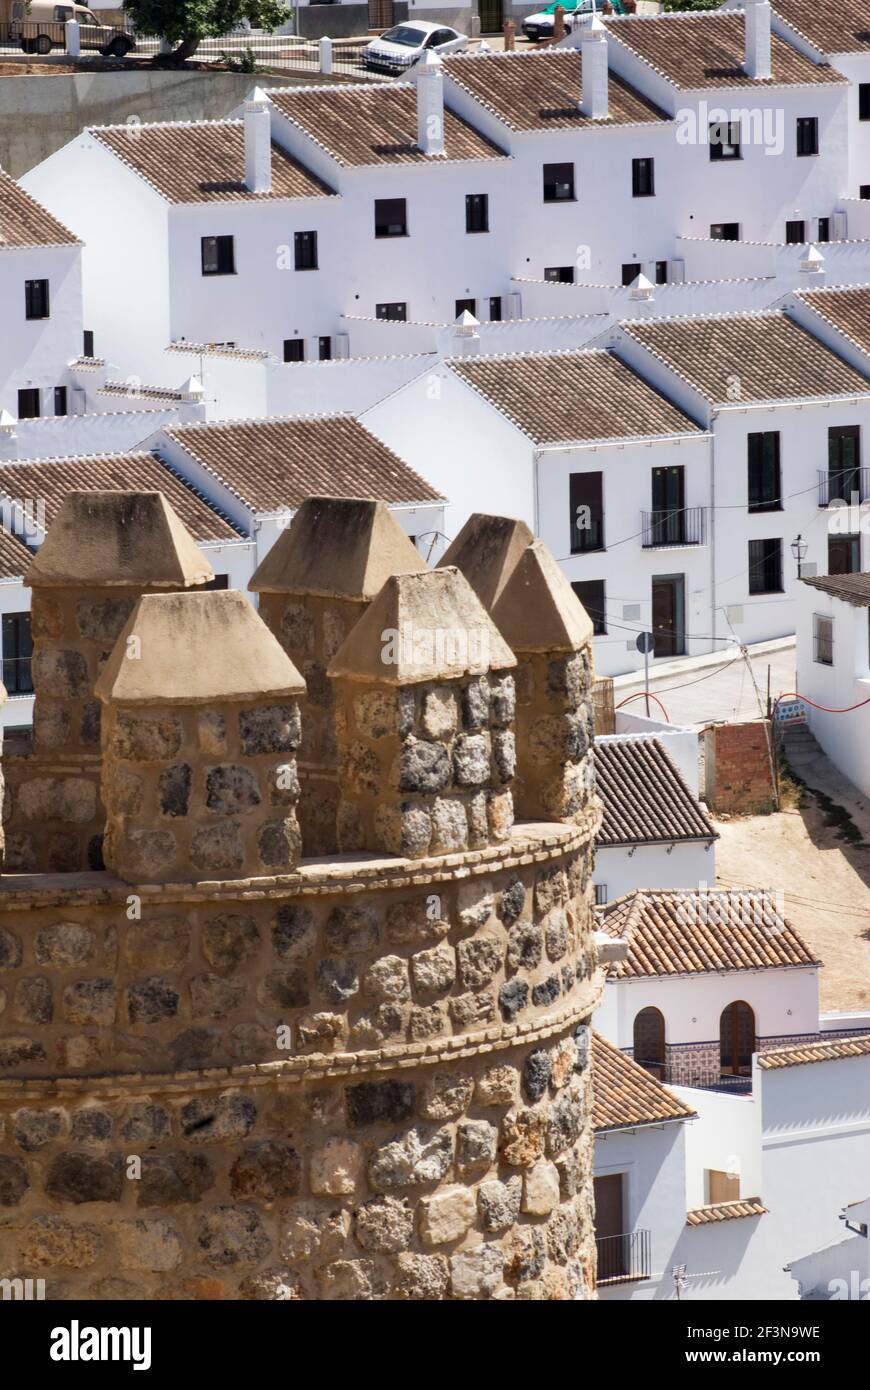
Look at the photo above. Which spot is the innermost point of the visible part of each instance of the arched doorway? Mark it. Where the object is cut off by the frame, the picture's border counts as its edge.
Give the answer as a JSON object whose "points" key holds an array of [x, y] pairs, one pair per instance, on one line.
{"points": [[649, 1041], [736, 1039]]}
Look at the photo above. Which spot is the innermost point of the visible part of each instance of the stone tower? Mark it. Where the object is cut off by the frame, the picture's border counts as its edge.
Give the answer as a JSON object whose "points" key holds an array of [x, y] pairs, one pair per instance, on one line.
{"points": [[228, 1071]]}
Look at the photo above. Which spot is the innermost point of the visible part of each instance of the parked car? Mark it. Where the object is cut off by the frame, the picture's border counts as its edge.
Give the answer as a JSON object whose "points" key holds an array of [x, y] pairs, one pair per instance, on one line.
{"points": [[39, 27], [402, 46], [542, 25]]}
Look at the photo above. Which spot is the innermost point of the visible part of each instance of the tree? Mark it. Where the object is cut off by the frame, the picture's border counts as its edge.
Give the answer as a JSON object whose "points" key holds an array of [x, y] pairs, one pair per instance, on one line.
{"points": [[692, 4], [186, 22]]}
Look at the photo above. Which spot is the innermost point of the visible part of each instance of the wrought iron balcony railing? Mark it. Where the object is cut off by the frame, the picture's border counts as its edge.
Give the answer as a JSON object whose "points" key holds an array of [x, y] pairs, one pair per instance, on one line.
{"points": [[623, 1258], [679, 526], [845, 485]]}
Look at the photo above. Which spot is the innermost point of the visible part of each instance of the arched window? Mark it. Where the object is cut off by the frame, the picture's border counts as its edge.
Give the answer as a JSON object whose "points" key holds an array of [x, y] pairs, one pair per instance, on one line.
{"points": [[649, 1041], [736, 1039]]}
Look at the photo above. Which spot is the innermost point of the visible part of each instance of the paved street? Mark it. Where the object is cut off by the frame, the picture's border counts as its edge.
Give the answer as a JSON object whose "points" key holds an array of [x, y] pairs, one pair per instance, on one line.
{"points": [[699, 695]]}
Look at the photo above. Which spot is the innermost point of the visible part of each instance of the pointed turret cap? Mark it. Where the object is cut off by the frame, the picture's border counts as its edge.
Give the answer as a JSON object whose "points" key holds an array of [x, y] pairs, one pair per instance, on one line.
{"points": [[422, 627], [486, 551], [131, 539], [196, 649], [342, 547], [538, 610]]}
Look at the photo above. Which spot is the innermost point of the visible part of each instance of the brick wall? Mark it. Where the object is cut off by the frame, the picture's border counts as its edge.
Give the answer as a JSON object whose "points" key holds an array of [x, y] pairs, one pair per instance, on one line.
{"points": [[737, 768]]}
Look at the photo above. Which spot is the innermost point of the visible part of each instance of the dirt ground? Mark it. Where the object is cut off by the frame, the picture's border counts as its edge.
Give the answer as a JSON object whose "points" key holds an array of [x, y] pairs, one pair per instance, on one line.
{"points": [[826, 881]]}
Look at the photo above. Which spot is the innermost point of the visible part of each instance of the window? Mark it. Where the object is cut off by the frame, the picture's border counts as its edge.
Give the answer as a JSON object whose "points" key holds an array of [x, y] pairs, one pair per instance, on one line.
{"points": [[642, 178], [294, 349], [36, 299], [737, 1040], [465, 306], [591, 594], [495, 308], [721, 1186], [844, 554], [28, 404], [864, 190], [794, 233], [648, 1041], [60, 400], [324, 349], [661, 272], [844, 463], [630, 272], [560, 274], [807, 135], [391, 217], [88, 343], [220, 581], [824, 229], [765, 566], [587, 512], [477, 212], [725, 231], [218, 255], [864, 101], [724, 137], [764, 472], [394, 313], [600, 894], [305, 250], [17, 651], [558, 183], [823, 640]]}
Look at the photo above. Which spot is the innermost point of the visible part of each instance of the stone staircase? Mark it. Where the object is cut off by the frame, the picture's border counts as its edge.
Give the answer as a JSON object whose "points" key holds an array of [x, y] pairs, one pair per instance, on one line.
{"points": [[800, 747]]}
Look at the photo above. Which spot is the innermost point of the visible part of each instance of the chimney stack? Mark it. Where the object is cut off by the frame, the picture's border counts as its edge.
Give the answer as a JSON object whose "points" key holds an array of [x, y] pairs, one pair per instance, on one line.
{"points": [[430, 104], [258, 146], [593, 50], [757, 19]]}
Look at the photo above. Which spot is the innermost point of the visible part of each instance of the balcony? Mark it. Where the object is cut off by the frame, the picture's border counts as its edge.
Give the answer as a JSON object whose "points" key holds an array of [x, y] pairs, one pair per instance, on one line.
{"points": [[681, 526], [623, 1259], [849, 485]]}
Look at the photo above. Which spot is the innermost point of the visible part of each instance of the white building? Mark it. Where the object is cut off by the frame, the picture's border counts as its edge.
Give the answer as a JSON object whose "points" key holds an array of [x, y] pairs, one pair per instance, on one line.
{"points": [[833, 669], [840, 1271]]}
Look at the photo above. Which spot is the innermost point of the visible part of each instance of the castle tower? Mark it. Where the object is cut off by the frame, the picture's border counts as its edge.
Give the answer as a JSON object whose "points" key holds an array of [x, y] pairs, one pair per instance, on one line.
{"points": [[314, 585]]}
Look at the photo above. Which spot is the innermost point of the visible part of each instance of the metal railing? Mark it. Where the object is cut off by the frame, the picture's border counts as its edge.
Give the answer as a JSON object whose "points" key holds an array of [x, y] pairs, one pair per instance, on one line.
{"points": [[623, 1258], [680, 526], [845, 485], [250, 52], [17, 675]]}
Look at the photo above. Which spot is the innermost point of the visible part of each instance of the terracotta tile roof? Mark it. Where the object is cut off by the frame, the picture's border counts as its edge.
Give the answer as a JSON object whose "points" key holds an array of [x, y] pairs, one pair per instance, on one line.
{"points": [[273, 465], [644, 797], [540, 90], [24, 222], [799, 1054], [148, 393], [846, 308], [624, 1095], [556, 397], [829, 27], [691, 932], [852, 588], [725, 1211], [772, 357], [219, 350], [375, 124], [695, 51], [51, 479], [15, 558], [203, 162]]}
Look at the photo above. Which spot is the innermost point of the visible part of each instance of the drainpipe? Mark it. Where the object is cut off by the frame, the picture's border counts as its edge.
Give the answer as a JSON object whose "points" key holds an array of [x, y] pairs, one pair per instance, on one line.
{"points": [[713, 540]]}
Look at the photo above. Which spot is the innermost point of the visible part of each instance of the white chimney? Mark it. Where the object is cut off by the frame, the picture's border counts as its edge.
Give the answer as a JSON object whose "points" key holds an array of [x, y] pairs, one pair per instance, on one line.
{"points": [[258, 146], [757, 57], [430, 104], [812, 261], [641, 288], [593, 61]]}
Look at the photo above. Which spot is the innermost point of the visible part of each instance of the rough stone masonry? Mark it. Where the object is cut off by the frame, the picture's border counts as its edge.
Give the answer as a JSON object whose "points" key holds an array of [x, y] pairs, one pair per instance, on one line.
{"points": [[231, 1069]]}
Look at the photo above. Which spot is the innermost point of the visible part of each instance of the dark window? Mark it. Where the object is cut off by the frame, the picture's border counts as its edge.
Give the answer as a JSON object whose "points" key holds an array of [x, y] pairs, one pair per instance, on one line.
{"points": [[88, 343], [630, 272], [725, 231], [824, 229], [220, 581], [794, 233], [305, 250], [844, 462], [824, 643], [36, 299], [558, 183], [324, 349], [587, 512], [724, 137], [391, 217], [764, 472], [643, 184], [395, 313], [560, 274], [864, 101], [591, 594], [765, 566], [661, 272], [864, 190], [218, 255], [495, 308], [465, 306], [844, 554], [807, 134], [476, 212], [17, 651], [28, 404], [60, 400], [294, 349]]}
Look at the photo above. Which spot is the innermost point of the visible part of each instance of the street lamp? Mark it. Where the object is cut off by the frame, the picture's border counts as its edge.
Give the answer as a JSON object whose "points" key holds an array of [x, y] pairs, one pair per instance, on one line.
{"points": [[799, 550]]}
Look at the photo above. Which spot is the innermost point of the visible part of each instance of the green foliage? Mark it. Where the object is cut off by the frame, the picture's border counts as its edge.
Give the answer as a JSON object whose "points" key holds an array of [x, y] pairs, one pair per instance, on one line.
{"points": [[692, 4], [186, 21], [241, 62]]}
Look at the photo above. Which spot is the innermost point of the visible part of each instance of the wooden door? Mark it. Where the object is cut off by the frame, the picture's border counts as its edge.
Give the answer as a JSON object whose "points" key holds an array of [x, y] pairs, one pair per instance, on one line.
{"points": [[667, 615]]}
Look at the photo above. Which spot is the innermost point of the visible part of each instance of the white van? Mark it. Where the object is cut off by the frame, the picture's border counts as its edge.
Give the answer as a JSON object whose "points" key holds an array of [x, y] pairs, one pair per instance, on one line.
{"points": [[39, 27]]}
